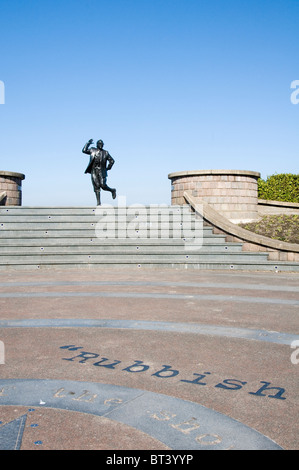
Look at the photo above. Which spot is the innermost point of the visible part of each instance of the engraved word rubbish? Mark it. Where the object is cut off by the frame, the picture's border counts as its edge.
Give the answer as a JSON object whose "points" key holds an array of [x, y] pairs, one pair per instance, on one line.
{"points": [[167, 372]]}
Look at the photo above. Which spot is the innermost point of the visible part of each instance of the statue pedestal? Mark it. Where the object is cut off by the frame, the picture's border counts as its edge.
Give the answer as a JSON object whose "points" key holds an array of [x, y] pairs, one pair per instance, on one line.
{"points": [[233, 193], [11, 188]]}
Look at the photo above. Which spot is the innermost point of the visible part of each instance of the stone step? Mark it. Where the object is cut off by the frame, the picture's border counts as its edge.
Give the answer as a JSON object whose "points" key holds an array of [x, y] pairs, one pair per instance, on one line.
{"points": [[204, 265], [125, 225], [90, 233], [72, 257], [121, 248], [111, 218], [21, 240], [73, 211]]}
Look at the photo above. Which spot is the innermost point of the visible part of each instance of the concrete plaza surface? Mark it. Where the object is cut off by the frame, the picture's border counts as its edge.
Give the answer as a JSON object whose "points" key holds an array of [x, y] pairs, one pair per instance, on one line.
{"points": [[159, 359]]}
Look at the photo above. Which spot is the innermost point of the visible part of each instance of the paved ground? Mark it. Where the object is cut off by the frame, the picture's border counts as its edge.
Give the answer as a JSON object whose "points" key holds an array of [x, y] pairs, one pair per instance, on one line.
{"points": [[148, 359]]}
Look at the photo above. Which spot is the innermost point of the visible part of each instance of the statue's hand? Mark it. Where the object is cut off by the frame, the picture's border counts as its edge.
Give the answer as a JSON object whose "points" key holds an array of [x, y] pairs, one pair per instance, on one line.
{"points": [[90, 141]]}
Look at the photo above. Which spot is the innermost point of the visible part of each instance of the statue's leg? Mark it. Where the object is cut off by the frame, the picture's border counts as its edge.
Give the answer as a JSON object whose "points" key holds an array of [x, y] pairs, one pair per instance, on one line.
{"points": [[112, 191], [105, 187], [96, 186], [98, 196]]}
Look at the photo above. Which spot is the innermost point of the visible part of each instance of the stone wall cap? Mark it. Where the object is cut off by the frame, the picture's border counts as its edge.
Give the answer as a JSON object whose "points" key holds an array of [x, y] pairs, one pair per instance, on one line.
{"points": [[268, 202], [214, 172], [11, 173]]}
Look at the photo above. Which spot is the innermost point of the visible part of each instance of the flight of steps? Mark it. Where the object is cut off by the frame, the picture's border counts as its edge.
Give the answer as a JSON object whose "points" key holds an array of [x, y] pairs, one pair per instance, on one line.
{"points": [[166, 236]]}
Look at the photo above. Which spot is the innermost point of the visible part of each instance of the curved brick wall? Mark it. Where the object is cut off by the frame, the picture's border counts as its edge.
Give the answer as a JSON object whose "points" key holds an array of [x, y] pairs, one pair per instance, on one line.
{"points": [[233, 193], [11, 184]]}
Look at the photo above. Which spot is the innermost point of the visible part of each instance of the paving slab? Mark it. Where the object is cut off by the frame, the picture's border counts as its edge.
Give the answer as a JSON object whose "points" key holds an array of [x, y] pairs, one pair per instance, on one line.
{"points": [[153, 359]]}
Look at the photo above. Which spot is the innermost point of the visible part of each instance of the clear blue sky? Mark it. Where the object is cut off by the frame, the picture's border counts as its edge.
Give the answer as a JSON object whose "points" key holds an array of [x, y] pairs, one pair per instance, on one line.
{"points": [[168, 85]]}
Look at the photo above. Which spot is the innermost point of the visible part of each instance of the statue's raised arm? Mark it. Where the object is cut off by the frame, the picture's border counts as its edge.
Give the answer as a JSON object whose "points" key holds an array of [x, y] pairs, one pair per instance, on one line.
{"points": [[86, 147]]}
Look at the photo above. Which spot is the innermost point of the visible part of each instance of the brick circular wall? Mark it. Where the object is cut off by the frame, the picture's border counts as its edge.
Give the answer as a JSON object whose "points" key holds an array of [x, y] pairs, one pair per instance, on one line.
{"points": [[11, 183], [233, 193]]}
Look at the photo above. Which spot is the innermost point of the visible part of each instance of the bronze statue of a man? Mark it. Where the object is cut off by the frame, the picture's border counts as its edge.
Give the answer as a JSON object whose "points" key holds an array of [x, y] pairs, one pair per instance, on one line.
{"points": [[100, 162]]}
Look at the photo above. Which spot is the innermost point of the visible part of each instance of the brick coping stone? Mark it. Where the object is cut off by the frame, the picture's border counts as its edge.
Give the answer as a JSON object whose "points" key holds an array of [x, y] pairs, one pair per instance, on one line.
{"points": [[12, 174], [214, 172]]}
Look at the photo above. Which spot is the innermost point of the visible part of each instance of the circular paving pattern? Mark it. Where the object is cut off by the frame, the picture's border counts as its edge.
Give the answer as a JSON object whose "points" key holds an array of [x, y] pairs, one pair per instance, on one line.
{"points": [[148, 359]]}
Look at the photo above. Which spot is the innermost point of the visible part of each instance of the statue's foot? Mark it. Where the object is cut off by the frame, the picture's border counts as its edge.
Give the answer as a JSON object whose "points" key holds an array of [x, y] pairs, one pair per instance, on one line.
{"points": [[113, 193]]}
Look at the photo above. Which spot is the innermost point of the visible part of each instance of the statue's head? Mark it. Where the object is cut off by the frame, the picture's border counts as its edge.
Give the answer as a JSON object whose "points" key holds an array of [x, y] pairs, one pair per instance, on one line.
{"points": [[100, 144]]}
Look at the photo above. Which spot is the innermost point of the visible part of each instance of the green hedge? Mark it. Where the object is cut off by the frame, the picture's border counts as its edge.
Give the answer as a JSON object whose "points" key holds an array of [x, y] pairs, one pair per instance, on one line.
{"points": [[282, 187]]}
